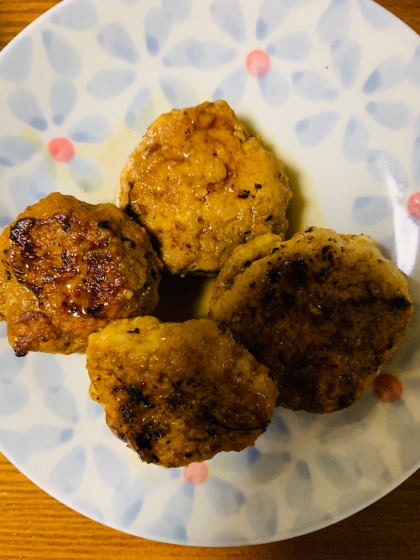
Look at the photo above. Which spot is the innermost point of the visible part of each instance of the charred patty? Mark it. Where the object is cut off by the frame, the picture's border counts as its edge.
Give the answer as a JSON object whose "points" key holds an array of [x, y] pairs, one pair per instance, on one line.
{"points": [[323, 311], [179, 392], [68, 268]]}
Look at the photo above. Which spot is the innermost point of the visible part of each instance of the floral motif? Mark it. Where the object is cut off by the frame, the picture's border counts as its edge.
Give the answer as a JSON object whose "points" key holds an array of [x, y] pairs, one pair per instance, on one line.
{"points": [[51, 148]]}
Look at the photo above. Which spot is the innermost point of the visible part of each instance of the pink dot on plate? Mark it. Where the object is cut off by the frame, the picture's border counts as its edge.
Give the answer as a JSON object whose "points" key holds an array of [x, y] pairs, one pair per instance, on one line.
{"points": [[196, 473], [388, 388], [257, 63], [61, 150], [413, 205]]}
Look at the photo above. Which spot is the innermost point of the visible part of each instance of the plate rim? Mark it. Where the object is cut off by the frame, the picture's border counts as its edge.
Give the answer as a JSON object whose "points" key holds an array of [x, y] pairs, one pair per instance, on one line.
{"points": [[409, 35]]}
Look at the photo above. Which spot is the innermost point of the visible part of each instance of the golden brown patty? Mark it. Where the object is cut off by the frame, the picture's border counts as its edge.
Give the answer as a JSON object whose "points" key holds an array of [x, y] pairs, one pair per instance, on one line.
{"points": [[179, 392], [68, 268], [323, 311], [201, 186]]}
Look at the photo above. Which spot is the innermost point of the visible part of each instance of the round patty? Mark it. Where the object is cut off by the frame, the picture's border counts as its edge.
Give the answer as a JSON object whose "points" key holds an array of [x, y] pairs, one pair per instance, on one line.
{"points": [[179, 392], [68, 268], [201, 185], [323, 311]]}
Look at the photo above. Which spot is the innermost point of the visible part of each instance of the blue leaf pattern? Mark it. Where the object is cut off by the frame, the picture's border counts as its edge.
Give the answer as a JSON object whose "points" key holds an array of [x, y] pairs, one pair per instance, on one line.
{"points": [[131, 513], [388, 74], [25, 107], [394, 115], [116, 41], [232, 88], [89, 509], [252, 455], [386, 169], [335, 470], [141, 111], [404, 428], [44, 177], [48, 372], [68, 473], [305, 420], [356, 141], [417, 126], [223, 497], [416, 160], [295, 46], [64, 58], [13, 397], [14, 150], [368, 210], [90, 130], [16, 61], [181, 502], [299, 3], [94, 409], [206, 55], [272, 14], [401, 423], [335, 21], [227, 15], [128, 502], [24, 192], [10, 366], [179, 55], [80, 15], [312, 85], [17, 445], [44, 438], [177, 10], [168, 525], [63, 97], [201, 54], [157, 26], [261, 510], [106, 84], [312, 130], [346, 58], [376, 15], [370, 463], [278, 429], [274, 88], [86, 174], [298, 490], [178, 93], [61, 402], [111, 468], [5, 216], [413, 68], [268, 466]]}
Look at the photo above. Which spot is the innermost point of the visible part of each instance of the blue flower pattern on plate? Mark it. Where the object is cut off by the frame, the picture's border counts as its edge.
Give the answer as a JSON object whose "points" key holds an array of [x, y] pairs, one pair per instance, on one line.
{"points": [[150, 57], [64, 58], [81, 15], [16, 63], [115, 40]]}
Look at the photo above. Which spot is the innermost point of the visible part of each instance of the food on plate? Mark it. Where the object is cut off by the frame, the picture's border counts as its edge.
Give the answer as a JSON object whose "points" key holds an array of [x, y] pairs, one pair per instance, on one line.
{"points": [[179, 392], [68, 268], [201, 185], [323, 311]]}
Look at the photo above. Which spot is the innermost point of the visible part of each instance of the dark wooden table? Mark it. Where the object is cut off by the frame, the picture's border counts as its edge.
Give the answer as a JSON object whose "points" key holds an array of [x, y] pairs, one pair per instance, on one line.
{"points": [[34, 525]]}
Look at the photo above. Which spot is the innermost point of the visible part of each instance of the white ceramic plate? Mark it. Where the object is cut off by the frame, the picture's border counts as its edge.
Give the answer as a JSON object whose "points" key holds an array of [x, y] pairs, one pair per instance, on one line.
{"points": [[334, 88]]}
